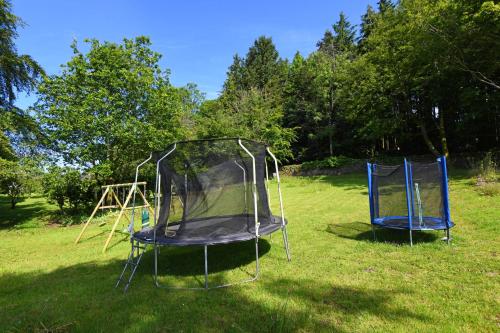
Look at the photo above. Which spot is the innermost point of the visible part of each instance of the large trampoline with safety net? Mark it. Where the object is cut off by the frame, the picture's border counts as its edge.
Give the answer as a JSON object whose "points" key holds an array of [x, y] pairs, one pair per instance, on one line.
{"points": [[222, 188], [412, 196]]}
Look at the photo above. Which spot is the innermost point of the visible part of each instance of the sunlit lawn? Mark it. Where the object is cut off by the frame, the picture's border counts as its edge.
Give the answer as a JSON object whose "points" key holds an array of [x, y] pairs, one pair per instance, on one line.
{"points": [[339, 278]]}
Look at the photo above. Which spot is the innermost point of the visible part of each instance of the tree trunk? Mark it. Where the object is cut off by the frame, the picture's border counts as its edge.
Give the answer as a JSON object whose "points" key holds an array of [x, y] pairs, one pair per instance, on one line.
{"points": [[442, 133], [12, 202], [428, 141], [330, 122]]}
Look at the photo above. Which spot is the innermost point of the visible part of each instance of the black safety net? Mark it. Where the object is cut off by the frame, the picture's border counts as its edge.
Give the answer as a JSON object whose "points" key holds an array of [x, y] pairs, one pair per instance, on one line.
{"points": [[206, 191], [426, 194], [389, 191]]}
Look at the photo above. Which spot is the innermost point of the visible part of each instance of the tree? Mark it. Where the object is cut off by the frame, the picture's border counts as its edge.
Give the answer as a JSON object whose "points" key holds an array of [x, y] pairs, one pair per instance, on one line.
{"points": [[341, 40], [11, 181], [18, 72], [251, 103], [368, 21], [426, 79], [384, 5], [111, 106]]}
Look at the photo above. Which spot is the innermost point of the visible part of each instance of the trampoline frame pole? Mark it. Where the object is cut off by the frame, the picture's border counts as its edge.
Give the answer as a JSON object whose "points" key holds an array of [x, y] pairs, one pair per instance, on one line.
{"points": [[408, 204], [206, 267], [446, 202], [283, 224]]}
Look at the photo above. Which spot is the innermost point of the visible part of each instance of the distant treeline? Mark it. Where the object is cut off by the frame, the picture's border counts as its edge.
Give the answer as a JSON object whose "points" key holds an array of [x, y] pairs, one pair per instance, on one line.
{"points": [[416, 77]]}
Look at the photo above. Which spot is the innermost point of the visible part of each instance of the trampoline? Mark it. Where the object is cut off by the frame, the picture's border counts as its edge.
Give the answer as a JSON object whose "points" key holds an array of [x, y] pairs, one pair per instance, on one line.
{"points": [[221, 188], [412, 196]]}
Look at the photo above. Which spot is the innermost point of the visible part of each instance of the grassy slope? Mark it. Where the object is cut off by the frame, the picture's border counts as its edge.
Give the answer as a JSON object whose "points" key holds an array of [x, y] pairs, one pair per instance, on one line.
{"points": [[339, 279]]}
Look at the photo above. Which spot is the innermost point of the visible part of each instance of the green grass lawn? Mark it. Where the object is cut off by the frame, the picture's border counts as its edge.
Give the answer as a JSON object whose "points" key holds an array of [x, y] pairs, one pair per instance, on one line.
{"points": [[339, 278]]}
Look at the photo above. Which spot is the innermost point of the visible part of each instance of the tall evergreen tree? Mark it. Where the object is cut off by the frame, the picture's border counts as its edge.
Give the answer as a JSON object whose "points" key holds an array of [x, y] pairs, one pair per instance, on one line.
{"points": [[340, 40], [384, 5], [366, 27], [18, 72]]}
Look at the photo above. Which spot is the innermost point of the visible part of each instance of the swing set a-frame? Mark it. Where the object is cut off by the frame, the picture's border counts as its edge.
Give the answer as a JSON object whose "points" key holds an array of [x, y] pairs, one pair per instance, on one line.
{"points": [[110, 199]]}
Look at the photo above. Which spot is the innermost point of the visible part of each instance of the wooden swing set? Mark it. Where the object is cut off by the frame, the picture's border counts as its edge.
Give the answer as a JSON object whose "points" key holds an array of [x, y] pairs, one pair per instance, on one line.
{"points": [[110, 199]]}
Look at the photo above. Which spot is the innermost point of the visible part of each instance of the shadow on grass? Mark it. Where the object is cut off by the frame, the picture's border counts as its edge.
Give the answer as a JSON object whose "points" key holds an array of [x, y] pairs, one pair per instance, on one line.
{"points": [[21, 214], [82, 298], [189, 260], [363, 232]]}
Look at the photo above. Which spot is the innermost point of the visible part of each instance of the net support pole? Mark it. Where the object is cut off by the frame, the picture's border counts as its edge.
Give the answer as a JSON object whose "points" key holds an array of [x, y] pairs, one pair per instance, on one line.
{"points": [[408, 203], [244, 184], [131, 225], [370, 197], [156, 203], [254, 188], [283, 224], [446, 196]]}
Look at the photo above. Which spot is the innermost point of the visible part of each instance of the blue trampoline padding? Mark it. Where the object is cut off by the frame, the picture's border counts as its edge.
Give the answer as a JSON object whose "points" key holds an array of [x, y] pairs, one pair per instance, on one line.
{"points": [[401, 222]]}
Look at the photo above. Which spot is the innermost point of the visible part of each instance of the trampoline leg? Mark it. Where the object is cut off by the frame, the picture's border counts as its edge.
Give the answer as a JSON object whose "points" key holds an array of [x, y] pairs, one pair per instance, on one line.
{"points": [[448, 236], [156, 265], [256, 258], [285, 241], [206, 268], [411, 239], [373, 232]]}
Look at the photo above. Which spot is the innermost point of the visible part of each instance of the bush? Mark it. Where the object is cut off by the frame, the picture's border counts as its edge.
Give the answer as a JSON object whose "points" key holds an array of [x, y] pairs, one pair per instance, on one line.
{"points": [[290, 170], [487, 169], [10, 181], [67, 185], [490, 189], [329, 163]]}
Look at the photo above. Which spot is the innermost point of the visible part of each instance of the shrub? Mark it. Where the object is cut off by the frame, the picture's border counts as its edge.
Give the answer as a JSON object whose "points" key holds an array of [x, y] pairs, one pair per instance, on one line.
{"points": [[490, 189], [329, 163], [290, 170], [67, 185], [487, 169], [13, 179]]}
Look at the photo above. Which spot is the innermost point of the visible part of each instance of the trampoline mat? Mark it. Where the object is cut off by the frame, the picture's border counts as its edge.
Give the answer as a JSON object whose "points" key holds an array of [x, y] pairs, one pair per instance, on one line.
{"points": [[214, 230], [401, 222]]}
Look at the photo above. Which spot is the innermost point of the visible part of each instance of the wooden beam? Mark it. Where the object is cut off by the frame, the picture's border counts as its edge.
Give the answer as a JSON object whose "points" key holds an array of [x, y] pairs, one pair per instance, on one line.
{"points": [[118, 219], [123, 185], [91, 216], [120, 204], [147, 204]]}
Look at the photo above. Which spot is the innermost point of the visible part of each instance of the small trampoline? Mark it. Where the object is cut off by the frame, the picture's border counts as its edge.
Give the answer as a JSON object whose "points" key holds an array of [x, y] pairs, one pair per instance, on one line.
{"points": [[220, 188], [411, 196]]}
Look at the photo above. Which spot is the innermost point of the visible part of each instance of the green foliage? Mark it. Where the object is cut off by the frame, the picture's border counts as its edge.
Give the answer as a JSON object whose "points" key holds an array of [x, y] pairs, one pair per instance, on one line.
{"points": [[112, 105], [329, 163], [11, 181], [18, 72], [251, 103], [67, 185], [487, 169], [19, 178]]}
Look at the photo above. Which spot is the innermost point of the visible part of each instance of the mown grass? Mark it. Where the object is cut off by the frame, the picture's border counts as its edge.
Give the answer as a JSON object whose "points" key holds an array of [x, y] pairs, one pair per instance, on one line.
{"points": [[339, 278]]}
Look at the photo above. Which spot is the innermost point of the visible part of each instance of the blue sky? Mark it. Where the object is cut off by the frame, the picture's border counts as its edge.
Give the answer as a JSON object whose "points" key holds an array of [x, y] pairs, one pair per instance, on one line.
{"points": [[197, 38]]}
